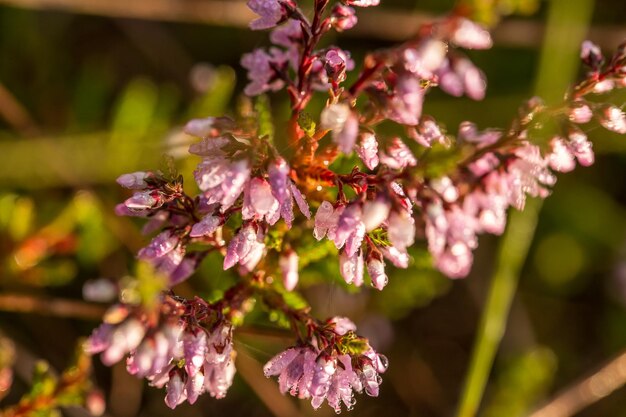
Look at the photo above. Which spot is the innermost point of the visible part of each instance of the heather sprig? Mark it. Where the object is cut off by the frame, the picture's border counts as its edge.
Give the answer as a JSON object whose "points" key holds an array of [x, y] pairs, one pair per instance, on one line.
{"points": [[266, 191]]}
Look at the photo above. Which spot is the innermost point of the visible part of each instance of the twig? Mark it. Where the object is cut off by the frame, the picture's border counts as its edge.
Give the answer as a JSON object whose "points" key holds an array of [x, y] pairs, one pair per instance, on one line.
{"points": [[587, 391], [19, 303], [15, 114]]}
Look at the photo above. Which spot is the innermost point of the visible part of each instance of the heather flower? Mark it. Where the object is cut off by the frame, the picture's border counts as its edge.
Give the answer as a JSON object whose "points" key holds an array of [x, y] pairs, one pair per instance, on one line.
{"points": [[287, 35], [397, 155], [405, 104], [351, 267], [375, 212], [246, 248], [376, 271], [343, 17], [285, 191], [460, 77], [468, 132], [362, 3], [426, 59], [613, 119], [428, 132], [134, 181], [580, 113], [367, 149], [591, 55], [471, 35], [401, 229], [207, 226], [288, 264], [261, 73], [259, 203], [445, 188], [222, 180], [326, 219], [344, 124], [271, 13], [350, 229]]}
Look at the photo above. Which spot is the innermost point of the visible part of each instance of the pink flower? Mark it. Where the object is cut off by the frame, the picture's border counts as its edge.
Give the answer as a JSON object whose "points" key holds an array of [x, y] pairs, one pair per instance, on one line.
{"points": [[261, 73], [561, 157], [222, 180], [246, 248], [376, 271], [401, 230], [425, 59], [367, 149], [271, 12], [135, 180], [375, 212], [285, 191], [468, 132], [344, 123], [461, 76], [471, 35], [428, 132], [580, 113], [613, 119], [288, 263], [326, 220], [363, 3], [343, 17], [288, 35], [405, 105], [259, 203], [207, 226], [350, 229], [398, 155], [591, 55], [351, 267]]}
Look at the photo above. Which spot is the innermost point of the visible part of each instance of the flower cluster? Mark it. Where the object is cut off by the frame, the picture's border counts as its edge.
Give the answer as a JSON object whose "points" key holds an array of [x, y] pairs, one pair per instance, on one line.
{"points": [[329, 367], [180, 346], [251, 176]]}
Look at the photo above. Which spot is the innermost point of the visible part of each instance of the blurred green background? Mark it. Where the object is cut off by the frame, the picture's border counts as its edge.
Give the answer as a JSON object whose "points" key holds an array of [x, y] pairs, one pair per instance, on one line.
{"points": [[91, 89]]}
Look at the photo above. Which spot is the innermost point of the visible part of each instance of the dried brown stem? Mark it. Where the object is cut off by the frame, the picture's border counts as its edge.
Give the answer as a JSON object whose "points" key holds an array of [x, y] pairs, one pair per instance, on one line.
{"points": [[587, 391], [21, 303]]}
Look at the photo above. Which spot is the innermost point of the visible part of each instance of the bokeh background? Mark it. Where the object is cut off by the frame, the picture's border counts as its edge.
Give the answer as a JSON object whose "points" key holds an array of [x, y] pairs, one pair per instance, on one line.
{"points": [[91, 89]]}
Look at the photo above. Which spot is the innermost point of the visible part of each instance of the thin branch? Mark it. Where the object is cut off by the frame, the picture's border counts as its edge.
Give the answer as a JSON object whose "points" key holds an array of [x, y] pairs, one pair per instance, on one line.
{"points": [[20, 303], [587, 391]]}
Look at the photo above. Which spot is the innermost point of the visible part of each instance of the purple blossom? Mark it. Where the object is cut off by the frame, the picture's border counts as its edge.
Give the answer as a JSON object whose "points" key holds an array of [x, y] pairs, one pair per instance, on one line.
{"points": [[461, 76], [344, 123], [580, 113], [428, 132], [287, 35], [397, 155], [135, 180], [343, 17], [613, 119], [591, 55], [350, 229], [207, 226], [222, 180], [326, 220], [271, 12], [363, 3], [259, 203], [376, 271], [285, 191], [246, 248], [261, 73], [351, 267], [367, 149], [375, 212], [401, 230], [471, 35], [425, 59], [405, 104], [288, 264]]}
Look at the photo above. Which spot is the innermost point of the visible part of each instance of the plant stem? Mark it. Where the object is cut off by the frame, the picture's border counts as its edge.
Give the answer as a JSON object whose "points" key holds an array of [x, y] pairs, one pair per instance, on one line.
{"points": [[512, 252]]}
